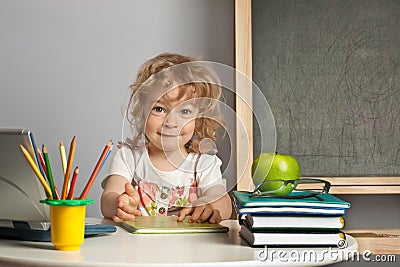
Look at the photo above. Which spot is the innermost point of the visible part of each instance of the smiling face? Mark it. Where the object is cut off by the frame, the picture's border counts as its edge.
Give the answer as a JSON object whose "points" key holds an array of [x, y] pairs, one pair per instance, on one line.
{"points": [[171, 121]]}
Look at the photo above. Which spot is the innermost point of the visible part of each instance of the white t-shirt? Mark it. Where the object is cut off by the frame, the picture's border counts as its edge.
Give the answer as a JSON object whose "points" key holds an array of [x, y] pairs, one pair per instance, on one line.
{"points": [[135, 166]]}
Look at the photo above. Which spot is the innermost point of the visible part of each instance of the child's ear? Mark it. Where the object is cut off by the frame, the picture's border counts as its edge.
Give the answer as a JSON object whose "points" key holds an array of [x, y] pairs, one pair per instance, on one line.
{"points": [[189, 144]]}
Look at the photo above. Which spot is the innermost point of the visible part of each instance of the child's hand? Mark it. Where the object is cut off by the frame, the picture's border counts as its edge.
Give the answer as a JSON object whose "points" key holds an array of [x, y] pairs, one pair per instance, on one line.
{"points": [[201, 213], [127, 204]]}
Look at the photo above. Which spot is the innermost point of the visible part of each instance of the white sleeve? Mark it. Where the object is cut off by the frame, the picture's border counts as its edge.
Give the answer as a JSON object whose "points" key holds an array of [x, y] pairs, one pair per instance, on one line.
{"points": [[208, 172], [119, 165]]}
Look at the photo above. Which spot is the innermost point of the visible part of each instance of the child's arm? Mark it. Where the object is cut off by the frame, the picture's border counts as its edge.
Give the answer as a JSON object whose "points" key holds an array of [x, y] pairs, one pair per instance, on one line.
{"points": [[119, 200], [215, 205]]}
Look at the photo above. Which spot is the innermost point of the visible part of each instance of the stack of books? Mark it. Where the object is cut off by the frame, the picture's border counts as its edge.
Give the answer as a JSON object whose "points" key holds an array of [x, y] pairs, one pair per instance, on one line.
{"points": [[274, 221]]}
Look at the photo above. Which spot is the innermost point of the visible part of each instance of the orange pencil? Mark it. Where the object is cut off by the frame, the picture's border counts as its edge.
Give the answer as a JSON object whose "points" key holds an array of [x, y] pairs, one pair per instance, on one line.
{"points": [[96, 170], [69, 167], [37, 172], [73, 182]]}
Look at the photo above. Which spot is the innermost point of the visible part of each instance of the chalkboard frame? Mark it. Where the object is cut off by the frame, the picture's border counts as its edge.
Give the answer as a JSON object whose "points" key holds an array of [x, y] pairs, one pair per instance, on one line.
{"points": [[243, 64]]}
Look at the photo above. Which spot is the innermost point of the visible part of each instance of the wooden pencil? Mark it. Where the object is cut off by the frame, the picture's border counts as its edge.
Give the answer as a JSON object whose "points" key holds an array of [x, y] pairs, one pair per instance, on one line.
{"points": [[35, 151], [69, 167], [96, 170], [40, 154], [73, 182], [63, 157], [49, 172], [37, 172], [46, 175], [104, 161]]}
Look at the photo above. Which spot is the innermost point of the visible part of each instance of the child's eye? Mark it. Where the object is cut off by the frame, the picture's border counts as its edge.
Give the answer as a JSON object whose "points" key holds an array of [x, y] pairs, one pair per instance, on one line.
{"points": [[186, 112], [158, 109]]}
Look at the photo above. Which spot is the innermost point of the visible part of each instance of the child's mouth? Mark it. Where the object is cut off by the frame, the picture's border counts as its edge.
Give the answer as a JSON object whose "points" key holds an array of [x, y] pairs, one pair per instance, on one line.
{"points": [[168, 135]]}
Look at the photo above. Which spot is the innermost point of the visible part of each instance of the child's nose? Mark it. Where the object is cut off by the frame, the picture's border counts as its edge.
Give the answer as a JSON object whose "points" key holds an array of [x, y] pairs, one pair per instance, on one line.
{"points": [[171, 122]]}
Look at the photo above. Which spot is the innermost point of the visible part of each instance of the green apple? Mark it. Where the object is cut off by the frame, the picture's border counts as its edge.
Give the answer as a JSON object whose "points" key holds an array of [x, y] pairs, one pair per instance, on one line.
{"points": [[274, 166]]}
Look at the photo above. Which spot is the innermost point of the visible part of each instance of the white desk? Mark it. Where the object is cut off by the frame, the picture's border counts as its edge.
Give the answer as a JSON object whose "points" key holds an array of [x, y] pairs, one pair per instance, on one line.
{"points": [[124, 249]]}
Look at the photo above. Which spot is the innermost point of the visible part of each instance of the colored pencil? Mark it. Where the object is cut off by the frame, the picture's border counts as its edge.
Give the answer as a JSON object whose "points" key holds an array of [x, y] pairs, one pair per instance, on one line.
{"points": [[96, 170], [63, 157], [108, 154], [37, 172], [69, 167], [49, 172], [35, 150], [43, 163], [73, 182], [40, 154]]}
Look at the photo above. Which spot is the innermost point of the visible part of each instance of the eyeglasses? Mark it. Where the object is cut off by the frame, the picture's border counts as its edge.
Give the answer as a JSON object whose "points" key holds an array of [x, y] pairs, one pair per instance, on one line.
{"points": [[300, 188]]}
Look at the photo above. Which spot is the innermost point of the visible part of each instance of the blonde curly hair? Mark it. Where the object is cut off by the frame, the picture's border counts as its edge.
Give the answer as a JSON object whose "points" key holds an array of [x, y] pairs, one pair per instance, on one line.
{"points": [[194, 79]]}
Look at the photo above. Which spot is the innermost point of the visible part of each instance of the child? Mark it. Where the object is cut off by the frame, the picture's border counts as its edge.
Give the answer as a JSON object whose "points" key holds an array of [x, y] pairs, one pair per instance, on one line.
{"points": [[173, 110]]}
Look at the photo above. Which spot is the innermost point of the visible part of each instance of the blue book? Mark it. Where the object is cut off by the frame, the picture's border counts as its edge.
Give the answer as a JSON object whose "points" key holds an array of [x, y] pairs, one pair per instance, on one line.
{"points": [[244, 200], [289, 211], [21, 231]]}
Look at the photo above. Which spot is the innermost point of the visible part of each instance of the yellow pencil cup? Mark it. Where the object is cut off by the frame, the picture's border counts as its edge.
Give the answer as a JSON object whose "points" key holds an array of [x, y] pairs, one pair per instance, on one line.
{"points": [[67, 222]]}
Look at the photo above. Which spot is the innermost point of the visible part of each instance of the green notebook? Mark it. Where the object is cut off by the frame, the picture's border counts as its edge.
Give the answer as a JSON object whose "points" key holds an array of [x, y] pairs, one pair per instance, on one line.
{"points": [[169, 225], [244, 199]]}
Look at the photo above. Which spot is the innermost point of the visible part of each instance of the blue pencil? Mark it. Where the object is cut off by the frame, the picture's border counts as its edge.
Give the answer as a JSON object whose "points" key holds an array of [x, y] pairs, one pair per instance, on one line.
{"points": [[37, 155], [108, 153]]}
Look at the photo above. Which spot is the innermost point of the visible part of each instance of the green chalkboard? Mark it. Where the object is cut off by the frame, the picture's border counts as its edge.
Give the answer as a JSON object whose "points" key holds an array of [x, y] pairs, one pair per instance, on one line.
{"points": [[330, 71]]}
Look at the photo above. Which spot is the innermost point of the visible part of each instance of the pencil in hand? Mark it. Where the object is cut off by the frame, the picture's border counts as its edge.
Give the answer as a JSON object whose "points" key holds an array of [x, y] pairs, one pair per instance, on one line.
{"points": [[37, 172], [73, 182], [96, 170], [49, 172]]}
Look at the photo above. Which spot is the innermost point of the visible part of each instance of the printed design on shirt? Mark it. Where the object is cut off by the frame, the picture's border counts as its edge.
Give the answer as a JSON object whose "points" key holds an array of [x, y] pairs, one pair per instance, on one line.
{"points": [[152, 208], [157, 199]]}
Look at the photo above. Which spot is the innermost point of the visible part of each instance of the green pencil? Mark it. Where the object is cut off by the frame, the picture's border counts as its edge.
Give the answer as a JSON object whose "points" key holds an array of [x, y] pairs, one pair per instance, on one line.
{"points": [[49, 173]]}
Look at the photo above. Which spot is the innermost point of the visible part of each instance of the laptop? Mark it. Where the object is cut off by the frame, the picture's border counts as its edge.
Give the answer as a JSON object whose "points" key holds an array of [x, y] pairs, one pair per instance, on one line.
{"points": [[21, 214]]}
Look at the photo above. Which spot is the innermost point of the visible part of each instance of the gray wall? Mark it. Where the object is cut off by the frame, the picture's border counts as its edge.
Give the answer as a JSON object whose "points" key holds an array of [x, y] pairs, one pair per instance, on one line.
{"points": [[65, 66]]}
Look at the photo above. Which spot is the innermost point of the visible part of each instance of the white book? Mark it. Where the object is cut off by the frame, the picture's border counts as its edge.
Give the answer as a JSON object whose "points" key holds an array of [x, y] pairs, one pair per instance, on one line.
{"points": [[305, 238], [295, 222]]}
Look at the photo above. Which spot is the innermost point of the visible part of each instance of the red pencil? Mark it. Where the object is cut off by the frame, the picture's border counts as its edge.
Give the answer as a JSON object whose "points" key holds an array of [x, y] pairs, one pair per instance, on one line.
{"points": [[73, 182], [40, 154], [96, 170]]}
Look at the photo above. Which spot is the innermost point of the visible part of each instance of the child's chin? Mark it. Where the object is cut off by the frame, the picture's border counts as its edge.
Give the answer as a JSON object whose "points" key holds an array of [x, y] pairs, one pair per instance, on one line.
{"points": [[170, 146]]}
